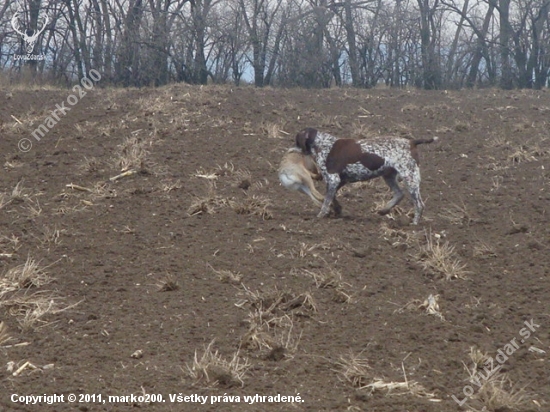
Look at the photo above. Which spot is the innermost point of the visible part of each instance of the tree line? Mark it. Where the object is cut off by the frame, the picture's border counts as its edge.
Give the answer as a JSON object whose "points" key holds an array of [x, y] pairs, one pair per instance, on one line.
{"points": [[430, 44]]}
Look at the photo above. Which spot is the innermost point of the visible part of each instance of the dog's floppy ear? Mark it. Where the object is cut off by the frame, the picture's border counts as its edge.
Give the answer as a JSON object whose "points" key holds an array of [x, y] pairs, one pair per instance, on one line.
{"points": [[305, 139]]}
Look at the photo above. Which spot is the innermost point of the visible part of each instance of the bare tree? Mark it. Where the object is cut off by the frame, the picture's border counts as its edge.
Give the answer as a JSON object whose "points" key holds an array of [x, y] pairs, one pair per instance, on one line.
{"points": [[481, 48], [259, 17], [29, 32], [307, 43], [431, 73], [506, 80], [228, 46], [127, 63], [528, 51], [450, 70]]}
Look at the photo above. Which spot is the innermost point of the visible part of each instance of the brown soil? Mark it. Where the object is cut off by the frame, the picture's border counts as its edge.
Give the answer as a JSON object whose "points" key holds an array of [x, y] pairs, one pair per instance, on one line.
{"points": [[203, 241]]}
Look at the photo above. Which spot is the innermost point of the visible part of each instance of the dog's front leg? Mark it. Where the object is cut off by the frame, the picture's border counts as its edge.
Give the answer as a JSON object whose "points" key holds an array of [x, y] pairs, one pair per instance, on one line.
{"points": [[333, 184]]}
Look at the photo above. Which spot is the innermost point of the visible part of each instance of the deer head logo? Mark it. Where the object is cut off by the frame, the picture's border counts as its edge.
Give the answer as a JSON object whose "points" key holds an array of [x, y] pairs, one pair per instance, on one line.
{"points": [[29, 36]]}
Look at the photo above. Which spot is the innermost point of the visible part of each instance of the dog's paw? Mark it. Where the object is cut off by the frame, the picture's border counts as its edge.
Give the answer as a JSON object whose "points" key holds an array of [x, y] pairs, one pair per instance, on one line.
{"points": [[322, 214], [336, 208]]}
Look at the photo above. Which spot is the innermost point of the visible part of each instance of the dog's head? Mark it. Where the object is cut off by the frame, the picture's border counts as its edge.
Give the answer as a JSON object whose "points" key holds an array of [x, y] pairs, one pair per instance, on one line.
{"points": [[305, 139]]}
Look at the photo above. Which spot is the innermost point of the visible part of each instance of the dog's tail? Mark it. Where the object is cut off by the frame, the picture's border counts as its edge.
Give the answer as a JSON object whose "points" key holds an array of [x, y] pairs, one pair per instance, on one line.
{"points": [[416, 142]]}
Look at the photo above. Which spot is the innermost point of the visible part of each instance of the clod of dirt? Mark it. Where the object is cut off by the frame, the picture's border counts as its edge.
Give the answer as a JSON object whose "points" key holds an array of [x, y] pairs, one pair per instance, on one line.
{"points": [[503, 409], [360, 253], [245, 184], [277, 354], [223, 378], [517, 229]]}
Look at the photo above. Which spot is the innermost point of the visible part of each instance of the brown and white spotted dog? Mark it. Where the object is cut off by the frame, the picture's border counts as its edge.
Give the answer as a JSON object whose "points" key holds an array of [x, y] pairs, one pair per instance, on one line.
{"points": [[344, 161]]}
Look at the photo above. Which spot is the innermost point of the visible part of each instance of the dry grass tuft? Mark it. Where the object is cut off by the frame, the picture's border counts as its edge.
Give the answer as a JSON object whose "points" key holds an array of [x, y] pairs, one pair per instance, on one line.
{"points": [[32, 208], [12, 243], [458, 214], [484, 250], [500, 394], [530, 151], [227, 276], [286, 340], [277, 302], [29, 308], [403, 129], [274, 335], [253, 205], [132, 153], [50, 235], [497, 140], [430, 306], [274, 130], [5, 200], [241, 178], [226, 170], [309, 249], [400, 388], [331, 278], [439, 258], [4, 334], [496, 391], [461, 126], [258, 336], [90, 165], [398, 238], [328, 121], [168, 283], [18, 193], [362, 131], [380, 203], [24, 276], [355, 370], [210, 369], [521, 154], [169, 185], [207, 204], [478, 358], [203, 174], [270, 320], [201, 205]]}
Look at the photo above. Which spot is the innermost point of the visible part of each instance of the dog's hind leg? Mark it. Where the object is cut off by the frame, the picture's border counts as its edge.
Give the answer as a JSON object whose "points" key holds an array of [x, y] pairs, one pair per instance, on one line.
{"points": [[418, 206], [412, 182], [336, 208], [391, 181]]}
